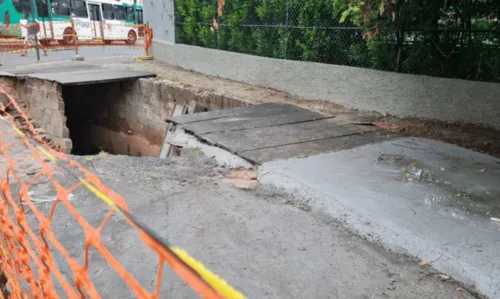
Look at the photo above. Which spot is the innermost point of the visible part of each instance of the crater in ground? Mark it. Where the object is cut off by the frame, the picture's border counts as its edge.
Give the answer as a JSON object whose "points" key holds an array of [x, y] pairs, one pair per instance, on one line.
{"points": [[128, 117]]}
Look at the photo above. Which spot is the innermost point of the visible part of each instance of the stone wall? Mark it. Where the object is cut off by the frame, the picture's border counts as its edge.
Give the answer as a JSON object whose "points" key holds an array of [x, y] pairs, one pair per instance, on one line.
{"points": [[44, 104]]}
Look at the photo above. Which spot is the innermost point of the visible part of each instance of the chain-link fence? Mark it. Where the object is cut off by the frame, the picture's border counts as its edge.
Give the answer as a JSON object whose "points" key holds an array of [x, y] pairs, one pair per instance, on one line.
{"points": [[455, 42]]}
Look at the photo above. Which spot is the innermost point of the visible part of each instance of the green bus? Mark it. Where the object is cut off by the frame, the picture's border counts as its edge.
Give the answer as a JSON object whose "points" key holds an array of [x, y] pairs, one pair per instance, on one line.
{"points": [[106, 20]]}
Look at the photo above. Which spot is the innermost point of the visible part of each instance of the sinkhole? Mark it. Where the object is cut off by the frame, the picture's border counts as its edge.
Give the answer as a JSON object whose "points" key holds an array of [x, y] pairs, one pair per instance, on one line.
{"points": [[122, 117]]}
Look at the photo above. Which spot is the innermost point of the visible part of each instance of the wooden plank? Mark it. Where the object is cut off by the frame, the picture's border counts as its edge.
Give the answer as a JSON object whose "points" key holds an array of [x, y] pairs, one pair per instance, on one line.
{"points": [[315, 147], [262, 110], [245, 140], [245, 122], [166, 148]]}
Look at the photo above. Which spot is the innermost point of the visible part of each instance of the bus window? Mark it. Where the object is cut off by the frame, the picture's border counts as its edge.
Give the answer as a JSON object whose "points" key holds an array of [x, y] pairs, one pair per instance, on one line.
{"points": [[95, 12], [22, 5], [119, 12], [139, 17], [42, 8], [129, 13], [107, 11], [79, 8], [60, 7]]}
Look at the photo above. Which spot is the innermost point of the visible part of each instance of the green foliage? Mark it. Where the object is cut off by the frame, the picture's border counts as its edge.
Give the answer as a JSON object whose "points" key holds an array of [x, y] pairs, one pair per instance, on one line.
{"points": [[460, 39]]}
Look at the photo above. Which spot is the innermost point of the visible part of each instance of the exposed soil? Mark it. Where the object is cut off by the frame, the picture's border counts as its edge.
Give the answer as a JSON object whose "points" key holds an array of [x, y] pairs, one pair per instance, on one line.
{"points": [[477, 138], [474, 137]]}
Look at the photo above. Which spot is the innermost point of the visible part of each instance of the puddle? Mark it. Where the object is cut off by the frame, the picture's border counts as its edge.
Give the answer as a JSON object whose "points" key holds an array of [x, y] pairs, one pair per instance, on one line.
{"points": [[465, 186]]}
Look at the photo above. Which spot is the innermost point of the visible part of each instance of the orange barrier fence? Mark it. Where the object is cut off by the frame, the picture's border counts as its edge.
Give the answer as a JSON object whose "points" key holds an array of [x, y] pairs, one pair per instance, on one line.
{"points": [[29, 242]]}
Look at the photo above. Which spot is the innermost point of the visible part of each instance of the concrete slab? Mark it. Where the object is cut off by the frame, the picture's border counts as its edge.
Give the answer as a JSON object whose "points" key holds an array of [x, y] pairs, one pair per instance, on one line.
{"points": [[91, 76], [50, 68], [419, 197], [74, 73], [259, 156]]}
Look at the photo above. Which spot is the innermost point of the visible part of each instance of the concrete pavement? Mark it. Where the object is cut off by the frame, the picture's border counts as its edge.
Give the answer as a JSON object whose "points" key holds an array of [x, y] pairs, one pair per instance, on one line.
{"points": [[412, 196], [427, 199], [15, 59]]}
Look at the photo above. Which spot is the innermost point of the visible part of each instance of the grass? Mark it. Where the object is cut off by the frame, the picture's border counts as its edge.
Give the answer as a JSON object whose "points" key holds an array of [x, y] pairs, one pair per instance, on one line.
{"points": [[175, 78]]}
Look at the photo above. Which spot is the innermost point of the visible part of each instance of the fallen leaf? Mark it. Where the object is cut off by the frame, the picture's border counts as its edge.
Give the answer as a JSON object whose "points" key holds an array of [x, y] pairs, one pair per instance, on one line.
{"points": [[241, 183], [423, 263], [444, 277], [478, 250], [242, 178], [249, 174], [413, 164]]}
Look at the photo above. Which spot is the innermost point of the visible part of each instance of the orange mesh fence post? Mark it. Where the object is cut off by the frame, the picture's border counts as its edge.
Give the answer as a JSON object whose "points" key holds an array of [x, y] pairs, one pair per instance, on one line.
{"points": [[28, 267], [149, 39], [75, 35]]}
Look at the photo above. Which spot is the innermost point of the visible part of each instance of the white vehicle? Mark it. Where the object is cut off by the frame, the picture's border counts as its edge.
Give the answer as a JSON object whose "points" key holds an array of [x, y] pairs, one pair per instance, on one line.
{"points": [[106, 20]]}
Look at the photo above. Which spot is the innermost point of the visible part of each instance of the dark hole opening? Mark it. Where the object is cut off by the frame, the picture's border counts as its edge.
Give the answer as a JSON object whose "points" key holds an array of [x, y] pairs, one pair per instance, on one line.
{"points": [[93, 120], [81, 107], [106, 117]]}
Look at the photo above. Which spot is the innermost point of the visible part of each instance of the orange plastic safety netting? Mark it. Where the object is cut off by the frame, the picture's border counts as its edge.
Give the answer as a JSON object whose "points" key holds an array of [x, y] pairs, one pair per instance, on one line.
{"points": [[31, 252]]}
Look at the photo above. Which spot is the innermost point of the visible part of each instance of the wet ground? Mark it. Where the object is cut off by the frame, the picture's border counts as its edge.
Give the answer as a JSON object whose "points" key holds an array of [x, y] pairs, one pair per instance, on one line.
{"points": [[413, 197], [266, 242], [420, 197]]}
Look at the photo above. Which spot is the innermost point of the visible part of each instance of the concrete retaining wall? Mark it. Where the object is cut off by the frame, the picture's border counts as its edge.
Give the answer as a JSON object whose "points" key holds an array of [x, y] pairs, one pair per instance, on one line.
{"points": [[160, 15], [396, 94]]}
